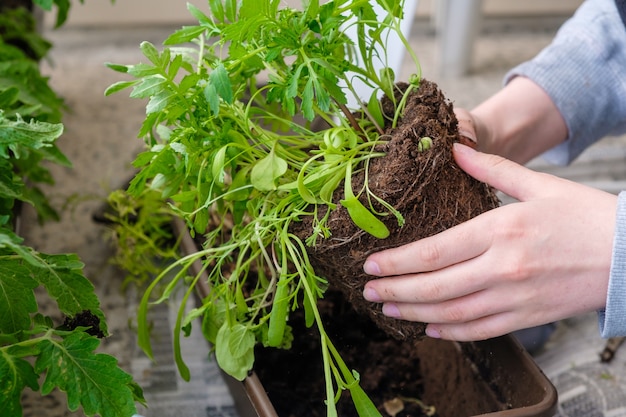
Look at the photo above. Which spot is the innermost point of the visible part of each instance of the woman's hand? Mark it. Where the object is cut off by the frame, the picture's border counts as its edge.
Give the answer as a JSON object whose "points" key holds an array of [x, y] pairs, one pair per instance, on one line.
{"points": [[542, 259]]}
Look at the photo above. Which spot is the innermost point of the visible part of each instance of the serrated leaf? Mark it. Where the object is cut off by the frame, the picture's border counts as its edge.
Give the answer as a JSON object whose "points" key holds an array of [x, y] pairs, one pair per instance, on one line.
{"points": [[18, 133], [91, 380], [17, 299], [62, 277], [220, 80], [15, 375]]}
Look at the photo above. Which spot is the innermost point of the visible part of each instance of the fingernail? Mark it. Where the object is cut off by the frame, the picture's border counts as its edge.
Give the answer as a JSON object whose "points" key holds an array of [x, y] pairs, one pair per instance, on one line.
{"points": [[371, 295], [432, 332], [371, 268], [391, 310], [460, 148]]}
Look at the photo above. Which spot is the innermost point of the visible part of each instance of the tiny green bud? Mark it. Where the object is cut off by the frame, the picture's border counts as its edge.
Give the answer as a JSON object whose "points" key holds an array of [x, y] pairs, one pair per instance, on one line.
{"points": [[414, 79], [424, 144]]}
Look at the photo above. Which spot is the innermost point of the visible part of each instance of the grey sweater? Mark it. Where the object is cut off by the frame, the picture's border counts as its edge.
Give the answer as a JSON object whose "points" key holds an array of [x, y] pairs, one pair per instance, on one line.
{"points": [[583, 70]]}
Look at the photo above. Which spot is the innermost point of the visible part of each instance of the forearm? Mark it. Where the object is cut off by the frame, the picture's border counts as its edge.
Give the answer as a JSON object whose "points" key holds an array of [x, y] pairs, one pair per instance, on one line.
{"points": [[523, 122]]}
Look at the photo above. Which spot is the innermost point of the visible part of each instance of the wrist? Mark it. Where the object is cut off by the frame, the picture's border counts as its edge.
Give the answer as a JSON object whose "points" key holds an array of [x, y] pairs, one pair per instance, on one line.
{"points": [[519, 122]]}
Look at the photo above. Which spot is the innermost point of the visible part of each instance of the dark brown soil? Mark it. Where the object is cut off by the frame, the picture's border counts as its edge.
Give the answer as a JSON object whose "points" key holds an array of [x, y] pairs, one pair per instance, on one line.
{"points": [[429, 377], [428, 188]]}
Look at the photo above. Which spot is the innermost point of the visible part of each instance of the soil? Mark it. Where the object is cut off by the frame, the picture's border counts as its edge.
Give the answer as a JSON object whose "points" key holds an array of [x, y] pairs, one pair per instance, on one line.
{"points": [[428, 377], [428, 188]]}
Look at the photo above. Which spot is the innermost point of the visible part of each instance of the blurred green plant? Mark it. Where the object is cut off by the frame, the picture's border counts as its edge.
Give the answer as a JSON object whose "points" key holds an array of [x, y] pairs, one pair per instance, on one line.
{"points": [[35, 352]]}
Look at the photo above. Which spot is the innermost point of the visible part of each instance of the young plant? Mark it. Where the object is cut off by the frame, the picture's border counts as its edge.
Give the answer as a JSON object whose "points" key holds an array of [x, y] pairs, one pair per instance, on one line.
{"points": [[35, 352], [235, 150]]}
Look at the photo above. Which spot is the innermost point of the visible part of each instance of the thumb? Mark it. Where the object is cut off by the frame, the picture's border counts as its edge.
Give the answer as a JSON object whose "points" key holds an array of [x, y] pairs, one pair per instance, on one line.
{"points": [[504, 175]]}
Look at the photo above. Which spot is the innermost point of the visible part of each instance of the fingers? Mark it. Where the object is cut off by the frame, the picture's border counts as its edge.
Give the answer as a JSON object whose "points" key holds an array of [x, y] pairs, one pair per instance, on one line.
{"points": [[480, 329], [429, 287], [507, 176], [466, 127], [449, 247]]}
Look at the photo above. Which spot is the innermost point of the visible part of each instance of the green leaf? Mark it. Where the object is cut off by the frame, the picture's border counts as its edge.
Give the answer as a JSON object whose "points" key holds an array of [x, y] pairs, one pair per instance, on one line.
{"points": [[359, 214], [231, 10], [185, 34], [211, 96], [234, 350], [118, 86], [62, 276], [15, 375], [278, 315], [220, 80], [17, 299], [363, 404], [18, 133], [149, 86], [375, 110], [160, 101], [150, 52], [364, 218], [217, 9], [266, 171], [93, 381], [198, 14]]}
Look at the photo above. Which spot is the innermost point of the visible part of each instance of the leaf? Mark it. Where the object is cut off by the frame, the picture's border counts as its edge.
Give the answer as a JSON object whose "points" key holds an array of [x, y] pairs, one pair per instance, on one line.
{"points": [[220, 80], [149, 86], [63, 279], [17, 299], [118, 86], [363, 404], [217, 170], [217, 9], [364, 218], [278, 315], [266, 171], [375, 110], [231, 10], [150, 52], [210, 93], [15, 375], [32, 135], [159, 101], [234, 350], [91, 380], [185, 34], [198, 14]]}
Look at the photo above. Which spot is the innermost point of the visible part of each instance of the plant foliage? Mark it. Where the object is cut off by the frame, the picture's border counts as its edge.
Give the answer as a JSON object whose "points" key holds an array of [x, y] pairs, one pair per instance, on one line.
{"points": [[34, 352], [234, 148]]}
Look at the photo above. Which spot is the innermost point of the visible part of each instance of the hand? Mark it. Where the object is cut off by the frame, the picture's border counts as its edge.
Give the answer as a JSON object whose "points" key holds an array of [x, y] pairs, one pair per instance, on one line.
{"points": [[542, 259], [468, 126]]}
